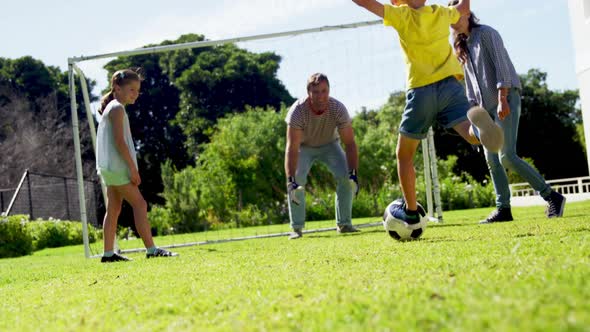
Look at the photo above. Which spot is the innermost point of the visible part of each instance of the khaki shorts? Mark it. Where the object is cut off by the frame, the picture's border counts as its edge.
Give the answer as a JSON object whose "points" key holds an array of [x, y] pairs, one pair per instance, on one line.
{"points": [[110, 178]]}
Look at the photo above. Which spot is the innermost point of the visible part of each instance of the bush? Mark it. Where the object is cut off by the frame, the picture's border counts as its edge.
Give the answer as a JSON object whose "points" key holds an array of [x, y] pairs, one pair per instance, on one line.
{"points": [[161, 221], [58, 233], [14, 238]]}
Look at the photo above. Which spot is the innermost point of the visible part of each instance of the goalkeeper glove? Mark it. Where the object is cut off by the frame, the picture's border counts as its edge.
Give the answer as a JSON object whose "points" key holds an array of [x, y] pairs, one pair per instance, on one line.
{"points": [[354, 182], [292, 189]]}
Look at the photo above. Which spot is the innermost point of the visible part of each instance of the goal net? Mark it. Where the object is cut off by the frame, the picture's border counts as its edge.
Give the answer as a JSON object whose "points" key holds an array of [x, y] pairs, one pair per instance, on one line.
{"points": [[363, 70]]}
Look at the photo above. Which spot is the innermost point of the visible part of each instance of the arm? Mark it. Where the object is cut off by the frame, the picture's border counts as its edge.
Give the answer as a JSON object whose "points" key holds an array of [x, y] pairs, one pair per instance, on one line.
{"points": [[463, 7], [373, 6], [347, 137], [294, 137], [503, 105], [117, 115], [494, 46]]}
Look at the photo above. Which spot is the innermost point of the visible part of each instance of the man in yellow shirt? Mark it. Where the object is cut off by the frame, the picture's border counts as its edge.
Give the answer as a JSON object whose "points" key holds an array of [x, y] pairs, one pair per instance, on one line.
{"points": [[433, 90]]}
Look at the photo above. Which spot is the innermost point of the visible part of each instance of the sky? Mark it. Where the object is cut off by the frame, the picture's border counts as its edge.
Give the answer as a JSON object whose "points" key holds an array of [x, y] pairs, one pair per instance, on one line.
{"points": [[364, 65]]}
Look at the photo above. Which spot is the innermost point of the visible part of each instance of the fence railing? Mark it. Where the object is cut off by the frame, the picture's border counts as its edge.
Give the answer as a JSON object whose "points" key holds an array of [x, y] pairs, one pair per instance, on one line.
{"points": [[574, 188]]}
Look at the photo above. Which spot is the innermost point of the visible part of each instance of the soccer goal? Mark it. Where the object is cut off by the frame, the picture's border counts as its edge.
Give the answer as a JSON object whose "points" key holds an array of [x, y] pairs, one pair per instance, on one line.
{"points": [[362, 75]]}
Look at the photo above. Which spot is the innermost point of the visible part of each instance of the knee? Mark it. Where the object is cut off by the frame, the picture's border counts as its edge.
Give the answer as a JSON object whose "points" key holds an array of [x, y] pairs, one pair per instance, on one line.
{"points": [[493, 162], [509, 160], [140, 204], [114, 210]]}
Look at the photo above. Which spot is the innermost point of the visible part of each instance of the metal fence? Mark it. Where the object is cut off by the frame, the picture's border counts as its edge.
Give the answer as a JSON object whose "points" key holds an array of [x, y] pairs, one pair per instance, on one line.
{"points": [[50, 196]]}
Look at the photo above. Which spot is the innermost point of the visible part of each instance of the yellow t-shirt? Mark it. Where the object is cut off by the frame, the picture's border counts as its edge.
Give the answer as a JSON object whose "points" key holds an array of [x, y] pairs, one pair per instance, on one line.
{"points": [[424, 38]]}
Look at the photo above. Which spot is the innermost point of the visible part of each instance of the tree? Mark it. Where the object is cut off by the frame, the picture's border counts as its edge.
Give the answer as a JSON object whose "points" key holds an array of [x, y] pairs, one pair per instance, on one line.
{"points": [[221, 81], [548, 128], [35, 127]]}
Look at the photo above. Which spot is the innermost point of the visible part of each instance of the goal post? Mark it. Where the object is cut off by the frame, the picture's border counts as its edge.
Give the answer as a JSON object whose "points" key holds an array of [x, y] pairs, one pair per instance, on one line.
{"points": [[429, 153]]}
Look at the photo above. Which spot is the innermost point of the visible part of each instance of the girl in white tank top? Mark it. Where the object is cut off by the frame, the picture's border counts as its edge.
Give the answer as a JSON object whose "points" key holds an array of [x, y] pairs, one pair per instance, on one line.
{"points": [[116, 163]]}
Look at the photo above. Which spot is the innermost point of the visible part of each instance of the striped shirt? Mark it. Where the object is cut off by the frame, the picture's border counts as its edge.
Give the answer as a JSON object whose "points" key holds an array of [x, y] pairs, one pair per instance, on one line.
{"points": [[488, 68], [321, 129]]}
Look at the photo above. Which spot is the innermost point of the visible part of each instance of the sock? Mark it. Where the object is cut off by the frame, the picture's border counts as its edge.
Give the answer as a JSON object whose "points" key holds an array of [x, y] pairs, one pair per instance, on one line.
{"points": [[151, 250], [109, 253], [413, 216]]}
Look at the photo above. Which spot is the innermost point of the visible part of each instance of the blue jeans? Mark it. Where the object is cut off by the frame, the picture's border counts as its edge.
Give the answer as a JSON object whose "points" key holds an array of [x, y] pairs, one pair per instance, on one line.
{"points": [[333, 157], [508, 158]]}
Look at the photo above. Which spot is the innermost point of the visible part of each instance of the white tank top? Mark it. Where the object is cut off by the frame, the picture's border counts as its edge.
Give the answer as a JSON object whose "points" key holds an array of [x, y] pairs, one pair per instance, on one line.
{"points": [[107, 155]]}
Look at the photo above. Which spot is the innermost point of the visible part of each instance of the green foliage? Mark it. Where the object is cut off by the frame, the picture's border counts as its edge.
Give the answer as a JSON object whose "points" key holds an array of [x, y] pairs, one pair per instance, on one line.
{"points": [[161, 221], [58, 233], [376, 137], [221, 81], [15, 241], [182, 193], [20, 236], [548, 123]]}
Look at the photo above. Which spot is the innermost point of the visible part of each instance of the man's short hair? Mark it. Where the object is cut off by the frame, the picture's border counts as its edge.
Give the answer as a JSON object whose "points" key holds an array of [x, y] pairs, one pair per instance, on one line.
{"points": [[316, 79]]}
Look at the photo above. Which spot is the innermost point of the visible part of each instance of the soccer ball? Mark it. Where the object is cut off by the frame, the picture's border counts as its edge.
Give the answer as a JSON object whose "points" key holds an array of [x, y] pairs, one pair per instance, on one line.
{"points": [[399, 229]]}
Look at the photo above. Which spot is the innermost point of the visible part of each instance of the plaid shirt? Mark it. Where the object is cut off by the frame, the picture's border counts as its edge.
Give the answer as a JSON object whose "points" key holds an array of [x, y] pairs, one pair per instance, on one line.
{"points": [[488, 68]]}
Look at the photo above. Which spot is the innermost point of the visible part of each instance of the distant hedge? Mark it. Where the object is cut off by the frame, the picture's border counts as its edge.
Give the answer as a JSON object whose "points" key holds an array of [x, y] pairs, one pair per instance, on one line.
{"points": [[21, 236]]}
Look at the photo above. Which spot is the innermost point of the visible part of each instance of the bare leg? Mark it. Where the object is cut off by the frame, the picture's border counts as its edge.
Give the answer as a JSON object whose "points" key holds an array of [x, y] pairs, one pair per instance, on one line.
{"points": [[131, 194], [464, 129], [109, 225], [406, 150]]}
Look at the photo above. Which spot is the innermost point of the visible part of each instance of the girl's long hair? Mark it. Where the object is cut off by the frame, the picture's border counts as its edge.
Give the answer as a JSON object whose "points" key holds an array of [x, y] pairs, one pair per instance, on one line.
{"points": [[460, 39], [119, 78]]}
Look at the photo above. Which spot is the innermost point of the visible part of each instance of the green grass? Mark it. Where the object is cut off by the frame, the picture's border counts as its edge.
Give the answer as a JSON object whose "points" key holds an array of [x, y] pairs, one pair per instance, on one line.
{"points": [[529, 275]]}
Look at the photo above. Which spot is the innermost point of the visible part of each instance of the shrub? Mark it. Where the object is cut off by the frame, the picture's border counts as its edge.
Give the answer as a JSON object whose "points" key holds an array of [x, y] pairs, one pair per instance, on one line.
{"points": [[58, 233], [161, 221], [14, 238]]}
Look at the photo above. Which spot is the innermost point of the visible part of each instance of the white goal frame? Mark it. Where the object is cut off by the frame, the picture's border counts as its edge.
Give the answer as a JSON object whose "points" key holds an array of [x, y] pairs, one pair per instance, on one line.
{"points": [[429, 154]]}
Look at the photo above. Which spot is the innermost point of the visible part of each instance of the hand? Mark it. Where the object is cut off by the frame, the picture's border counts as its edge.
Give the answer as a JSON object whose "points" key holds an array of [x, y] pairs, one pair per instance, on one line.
{"points": [[135, 178], [292, 189], [503, 109], [354, 182]]}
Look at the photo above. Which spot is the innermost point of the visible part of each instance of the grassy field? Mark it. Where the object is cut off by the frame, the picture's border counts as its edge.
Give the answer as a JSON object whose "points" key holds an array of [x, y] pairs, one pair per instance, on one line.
{"points": [[529, 275]]}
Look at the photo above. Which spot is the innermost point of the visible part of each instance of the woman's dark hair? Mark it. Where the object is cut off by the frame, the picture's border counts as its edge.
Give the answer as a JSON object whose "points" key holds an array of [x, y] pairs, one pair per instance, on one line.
{"points": [[460, 39], [119, 78]]}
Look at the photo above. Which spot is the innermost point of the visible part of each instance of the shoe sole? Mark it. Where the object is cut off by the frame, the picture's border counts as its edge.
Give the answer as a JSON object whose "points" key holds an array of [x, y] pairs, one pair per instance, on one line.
{"points": [[561, 209], [491, 135], [484, 222]]}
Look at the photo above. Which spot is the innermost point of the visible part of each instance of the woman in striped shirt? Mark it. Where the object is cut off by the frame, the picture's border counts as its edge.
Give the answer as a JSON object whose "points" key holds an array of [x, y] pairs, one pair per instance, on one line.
{"points": [[492, 83]]}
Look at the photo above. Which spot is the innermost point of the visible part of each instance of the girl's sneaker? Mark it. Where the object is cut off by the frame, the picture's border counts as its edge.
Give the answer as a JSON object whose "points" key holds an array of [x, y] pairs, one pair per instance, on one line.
{"points": [[159, 252], [115, 258]]}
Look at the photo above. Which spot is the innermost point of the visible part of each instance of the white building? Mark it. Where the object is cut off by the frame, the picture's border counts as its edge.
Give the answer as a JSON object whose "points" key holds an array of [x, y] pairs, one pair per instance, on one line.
{"points": [[580, 23]]}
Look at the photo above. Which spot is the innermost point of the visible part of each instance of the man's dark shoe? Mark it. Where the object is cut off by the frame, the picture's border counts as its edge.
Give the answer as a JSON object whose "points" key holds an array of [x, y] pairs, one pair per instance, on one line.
{"points": [[498, 215], [159, 252], [296, 234], [555, 205], [115, 258], [346, 229]]}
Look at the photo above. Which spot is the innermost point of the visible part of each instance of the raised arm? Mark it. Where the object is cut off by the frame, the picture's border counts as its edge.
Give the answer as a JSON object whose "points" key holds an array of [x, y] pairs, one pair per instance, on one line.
{"points": [[463, 7], [373, 6]]}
